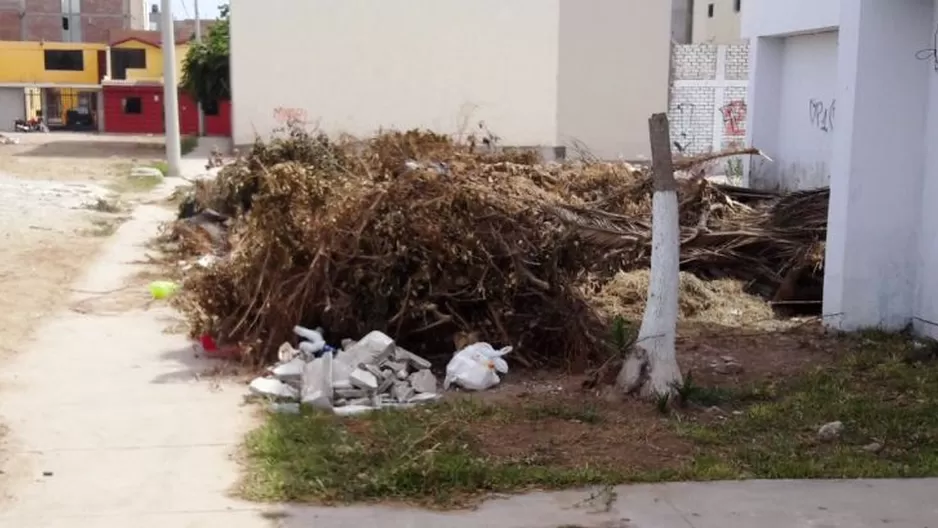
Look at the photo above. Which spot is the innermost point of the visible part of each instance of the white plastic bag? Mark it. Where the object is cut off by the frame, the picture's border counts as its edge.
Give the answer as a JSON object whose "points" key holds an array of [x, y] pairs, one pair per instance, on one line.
{"points": [[476, 367]]}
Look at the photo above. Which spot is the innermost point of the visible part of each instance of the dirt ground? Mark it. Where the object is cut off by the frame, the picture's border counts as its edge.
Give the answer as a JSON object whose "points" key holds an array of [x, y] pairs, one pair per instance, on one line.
{"points": [[559, 413], [50, 225]]}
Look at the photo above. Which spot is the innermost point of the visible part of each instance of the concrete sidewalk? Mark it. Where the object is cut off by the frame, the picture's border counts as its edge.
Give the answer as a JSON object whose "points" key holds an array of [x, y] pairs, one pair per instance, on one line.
{"points": [[110, 427], [755, 504]]}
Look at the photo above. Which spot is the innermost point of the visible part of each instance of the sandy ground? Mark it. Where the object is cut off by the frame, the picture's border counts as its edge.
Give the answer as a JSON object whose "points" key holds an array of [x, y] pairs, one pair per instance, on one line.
{"points": [[48, 230]]}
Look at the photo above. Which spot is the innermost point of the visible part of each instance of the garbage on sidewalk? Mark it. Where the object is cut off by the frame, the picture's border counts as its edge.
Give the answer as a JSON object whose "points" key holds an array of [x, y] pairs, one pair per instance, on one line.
{"points": [[369, 374], [476, 367]]}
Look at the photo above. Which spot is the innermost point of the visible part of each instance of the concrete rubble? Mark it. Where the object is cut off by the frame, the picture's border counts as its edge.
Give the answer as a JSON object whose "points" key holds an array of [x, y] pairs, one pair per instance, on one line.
{"points": [[369, 374]]}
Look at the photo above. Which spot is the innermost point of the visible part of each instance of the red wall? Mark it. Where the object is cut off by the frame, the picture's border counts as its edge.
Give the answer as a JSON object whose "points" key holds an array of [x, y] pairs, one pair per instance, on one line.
{"points": [[150, 121], [219, 125]]}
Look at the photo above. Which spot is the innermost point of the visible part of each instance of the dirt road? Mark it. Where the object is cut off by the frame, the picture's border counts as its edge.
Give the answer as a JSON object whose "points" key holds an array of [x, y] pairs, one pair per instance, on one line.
{"points": [[50, 185]]}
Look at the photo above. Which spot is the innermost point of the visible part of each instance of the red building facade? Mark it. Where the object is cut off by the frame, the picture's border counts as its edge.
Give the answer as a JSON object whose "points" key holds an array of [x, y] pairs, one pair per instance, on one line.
{"points": [[137, 108]]}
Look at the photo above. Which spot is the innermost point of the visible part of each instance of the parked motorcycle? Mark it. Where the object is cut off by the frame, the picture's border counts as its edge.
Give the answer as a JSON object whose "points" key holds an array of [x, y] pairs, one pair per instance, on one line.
{"points": [[29, 125]]}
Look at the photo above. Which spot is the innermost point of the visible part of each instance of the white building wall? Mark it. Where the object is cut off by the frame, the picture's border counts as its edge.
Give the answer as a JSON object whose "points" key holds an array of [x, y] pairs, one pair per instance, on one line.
{"points": [[613, 58], [767, 18], [881, 264], [926, 320], [801, 156], [355, 66], [535, 72], [874, 272]]}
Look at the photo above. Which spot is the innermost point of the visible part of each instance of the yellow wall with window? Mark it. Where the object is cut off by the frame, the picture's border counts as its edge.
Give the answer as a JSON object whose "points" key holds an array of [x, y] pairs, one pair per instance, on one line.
{"points": [[24, 63], [154, 55]]}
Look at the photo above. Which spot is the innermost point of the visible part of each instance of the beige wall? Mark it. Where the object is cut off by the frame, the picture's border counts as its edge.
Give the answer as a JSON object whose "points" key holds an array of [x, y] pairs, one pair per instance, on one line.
{"points": [[723, 28], [614, 66], [536, 72]]}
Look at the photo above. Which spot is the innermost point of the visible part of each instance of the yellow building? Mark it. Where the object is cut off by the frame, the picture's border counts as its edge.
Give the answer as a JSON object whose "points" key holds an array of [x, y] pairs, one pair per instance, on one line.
{"points": [[56, 79]]}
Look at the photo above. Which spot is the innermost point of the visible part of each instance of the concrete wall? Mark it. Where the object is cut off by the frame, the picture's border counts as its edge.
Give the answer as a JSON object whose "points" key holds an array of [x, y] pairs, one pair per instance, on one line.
{"points": [[722, 28], [926, 290], [613, 57], [765, 18], [805, 97], [793, 107], [534, 72], [708, 96], [881, 269], [682, 21]]}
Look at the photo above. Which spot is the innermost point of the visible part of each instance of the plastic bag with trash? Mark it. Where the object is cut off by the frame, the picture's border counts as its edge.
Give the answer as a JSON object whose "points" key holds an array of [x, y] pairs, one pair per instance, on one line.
{"points": [[476, 367]]}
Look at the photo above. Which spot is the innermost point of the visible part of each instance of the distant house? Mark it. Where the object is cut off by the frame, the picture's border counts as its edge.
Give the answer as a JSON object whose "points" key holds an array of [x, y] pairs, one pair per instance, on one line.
{"points": [[69, 20], [845, 93], [536, 73], [717, 21]]}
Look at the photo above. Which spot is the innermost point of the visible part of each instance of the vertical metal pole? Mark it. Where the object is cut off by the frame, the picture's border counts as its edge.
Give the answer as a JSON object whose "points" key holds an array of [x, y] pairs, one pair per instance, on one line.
{"points": [[198, 38], [170, 92]]}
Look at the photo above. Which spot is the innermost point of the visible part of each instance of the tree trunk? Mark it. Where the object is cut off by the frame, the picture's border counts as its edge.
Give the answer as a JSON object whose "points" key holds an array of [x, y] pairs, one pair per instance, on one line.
{"points": [[651, 370]]}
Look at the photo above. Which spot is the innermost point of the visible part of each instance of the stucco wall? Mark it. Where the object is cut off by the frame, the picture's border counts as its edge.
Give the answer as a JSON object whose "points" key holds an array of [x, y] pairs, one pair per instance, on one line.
{"points": [[807, 115], [535, 72], [765, 18], [355, 66], [791, 93], [927, 272], [613, 57]]}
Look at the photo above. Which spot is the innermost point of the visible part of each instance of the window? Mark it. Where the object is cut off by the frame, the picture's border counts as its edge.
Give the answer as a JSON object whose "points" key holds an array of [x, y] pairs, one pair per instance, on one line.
{"points": [[64, 60], [737, 5], [122, 59], [133, 105], [210, 108], [710, 11]]}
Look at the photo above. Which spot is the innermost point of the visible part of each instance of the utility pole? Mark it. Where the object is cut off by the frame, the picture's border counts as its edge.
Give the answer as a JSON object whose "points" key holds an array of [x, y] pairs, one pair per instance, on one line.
{"points": [[170, 92], [198, 38]]}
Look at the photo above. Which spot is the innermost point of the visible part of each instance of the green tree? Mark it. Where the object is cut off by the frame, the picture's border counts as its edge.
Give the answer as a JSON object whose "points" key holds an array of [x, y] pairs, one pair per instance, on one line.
{"points": [[206, 67]]}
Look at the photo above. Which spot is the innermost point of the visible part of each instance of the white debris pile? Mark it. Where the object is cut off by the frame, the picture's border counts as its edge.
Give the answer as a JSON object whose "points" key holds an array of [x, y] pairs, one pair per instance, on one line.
{"points": [[370, 374]]}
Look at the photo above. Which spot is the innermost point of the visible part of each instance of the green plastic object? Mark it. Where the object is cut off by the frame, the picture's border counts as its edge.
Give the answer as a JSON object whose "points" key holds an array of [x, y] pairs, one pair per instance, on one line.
{"points": [[163, 289]]}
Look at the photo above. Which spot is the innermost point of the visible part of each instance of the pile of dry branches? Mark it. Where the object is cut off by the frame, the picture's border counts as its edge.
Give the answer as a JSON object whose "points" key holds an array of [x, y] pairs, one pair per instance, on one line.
{"points": [[428, 241]]}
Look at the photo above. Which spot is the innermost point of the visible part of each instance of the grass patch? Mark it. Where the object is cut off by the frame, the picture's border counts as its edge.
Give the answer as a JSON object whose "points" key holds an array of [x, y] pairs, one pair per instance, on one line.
{"points": [[458, 450], [135, 184], [427, 455], [188, 143], [880, 393], [161, 166]]}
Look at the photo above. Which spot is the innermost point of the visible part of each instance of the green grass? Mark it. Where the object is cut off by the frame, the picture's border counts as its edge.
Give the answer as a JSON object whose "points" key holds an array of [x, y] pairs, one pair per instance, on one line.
{"points": [[161, 166], [435, 455], [423, 455], [135, 184], [876, 391]]}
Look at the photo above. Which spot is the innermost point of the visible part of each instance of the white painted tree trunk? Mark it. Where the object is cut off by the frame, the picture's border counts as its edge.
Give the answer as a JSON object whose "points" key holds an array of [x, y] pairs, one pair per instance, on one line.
{"points": [[651, 370]]}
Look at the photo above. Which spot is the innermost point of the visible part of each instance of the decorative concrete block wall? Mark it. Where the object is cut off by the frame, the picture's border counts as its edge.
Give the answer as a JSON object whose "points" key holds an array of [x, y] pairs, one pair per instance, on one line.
{"points": [[708, 96]]}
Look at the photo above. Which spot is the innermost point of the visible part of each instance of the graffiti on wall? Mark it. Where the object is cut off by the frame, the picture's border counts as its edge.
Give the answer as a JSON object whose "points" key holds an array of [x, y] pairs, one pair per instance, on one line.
{"points": [[734, 118], [821, 114], [683, 121], [288, 116]]}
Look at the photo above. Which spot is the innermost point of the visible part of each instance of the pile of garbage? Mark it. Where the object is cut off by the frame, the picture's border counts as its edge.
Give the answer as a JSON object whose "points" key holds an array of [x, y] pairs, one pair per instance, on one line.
{"points": [[372, 373], [425, 240]]}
